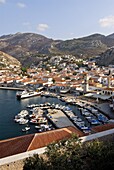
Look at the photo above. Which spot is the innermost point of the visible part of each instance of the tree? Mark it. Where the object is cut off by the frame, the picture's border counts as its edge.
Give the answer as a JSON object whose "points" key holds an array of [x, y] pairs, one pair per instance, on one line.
{"points": [[71, 154], [24, 69], [35, 163]]}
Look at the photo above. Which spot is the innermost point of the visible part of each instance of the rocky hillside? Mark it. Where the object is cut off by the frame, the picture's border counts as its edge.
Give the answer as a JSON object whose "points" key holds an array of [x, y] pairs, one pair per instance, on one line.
{"points": [[87, 46], [106, 58], [7, 61], [30, 47], [23, 46]]}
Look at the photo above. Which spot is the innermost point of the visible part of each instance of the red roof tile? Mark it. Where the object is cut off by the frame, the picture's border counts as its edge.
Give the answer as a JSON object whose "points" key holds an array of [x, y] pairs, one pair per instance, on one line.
{"points": [[15, 145], [33, 141], [44, 139]]}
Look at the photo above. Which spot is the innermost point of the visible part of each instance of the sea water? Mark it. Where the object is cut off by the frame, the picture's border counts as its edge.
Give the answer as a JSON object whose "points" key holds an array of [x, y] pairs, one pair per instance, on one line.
{"points": [[10, 106]]}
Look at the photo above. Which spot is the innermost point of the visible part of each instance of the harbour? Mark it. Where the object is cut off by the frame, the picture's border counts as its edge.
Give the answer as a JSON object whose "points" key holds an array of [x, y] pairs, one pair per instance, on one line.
{"points": [[10, 107], [64, 114]]}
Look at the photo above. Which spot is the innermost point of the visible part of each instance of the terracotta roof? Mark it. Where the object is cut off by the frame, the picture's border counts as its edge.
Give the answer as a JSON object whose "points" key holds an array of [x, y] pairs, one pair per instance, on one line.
{"points": [[61, 85], [44, 139], [34, 141], [15, 145], [27, 80], [101, 128]]}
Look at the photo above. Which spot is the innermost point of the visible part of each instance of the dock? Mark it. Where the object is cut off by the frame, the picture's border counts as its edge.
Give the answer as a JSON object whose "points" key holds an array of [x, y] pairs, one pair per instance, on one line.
{"points": [[59, 118], [11, 88]]}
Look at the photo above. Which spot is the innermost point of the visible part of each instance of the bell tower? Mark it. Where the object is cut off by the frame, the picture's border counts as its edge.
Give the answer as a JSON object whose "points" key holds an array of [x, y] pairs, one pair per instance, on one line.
{"points": [[86, 83], [109, 77]]}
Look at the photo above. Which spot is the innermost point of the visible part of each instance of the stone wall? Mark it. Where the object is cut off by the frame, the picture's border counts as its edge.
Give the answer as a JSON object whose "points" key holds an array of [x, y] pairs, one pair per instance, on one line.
{"points": [[17, 165]]}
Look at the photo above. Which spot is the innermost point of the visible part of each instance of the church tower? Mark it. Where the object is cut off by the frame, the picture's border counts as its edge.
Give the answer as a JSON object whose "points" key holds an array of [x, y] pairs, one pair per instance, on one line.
{"points": [[86, 83], [109, 77]]}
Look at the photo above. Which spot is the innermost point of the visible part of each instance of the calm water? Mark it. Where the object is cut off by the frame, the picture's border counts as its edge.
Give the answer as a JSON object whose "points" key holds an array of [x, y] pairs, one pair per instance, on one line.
{"points": [[10, 106]]}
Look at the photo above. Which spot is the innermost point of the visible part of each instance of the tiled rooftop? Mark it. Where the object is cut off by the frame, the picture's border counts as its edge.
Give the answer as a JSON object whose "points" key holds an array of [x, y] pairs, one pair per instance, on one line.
{"points": [[34, 141], [15, 145]]}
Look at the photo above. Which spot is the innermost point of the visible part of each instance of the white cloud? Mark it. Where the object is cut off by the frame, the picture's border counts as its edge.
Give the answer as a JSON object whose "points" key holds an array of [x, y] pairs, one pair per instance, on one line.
{"points": [[42, 27], [107, 21], [2, 1], [21, 5]]}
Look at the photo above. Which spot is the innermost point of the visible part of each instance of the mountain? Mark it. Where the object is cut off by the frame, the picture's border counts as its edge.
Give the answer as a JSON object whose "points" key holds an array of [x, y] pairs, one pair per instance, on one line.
{"points": [[87, 46], [31, 48], [7, 61], [106, 58], [23, 45], [111, 36]]}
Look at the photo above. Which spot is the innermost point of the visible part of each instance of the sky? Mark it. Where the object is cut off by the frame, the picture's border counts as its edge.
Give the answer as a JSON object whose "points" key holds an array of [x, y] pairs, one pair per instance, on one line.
{"points": [[57, 19]]}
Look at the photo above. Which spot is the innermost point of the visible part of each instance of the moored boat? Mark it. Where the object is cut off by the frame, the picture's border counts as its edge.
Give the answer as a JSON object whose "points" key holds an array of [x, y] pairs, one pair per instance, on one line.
{"points": [[23, 113], [26, 129], [26, 94], [23, 121]]}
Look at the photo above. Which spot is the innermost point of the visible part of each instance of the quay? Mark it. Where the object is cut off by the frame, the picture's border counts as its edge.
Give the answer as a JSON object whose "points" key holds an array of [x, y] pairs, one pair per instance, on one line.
{"points": [[11, 88], [59, 118], [103, 108]]}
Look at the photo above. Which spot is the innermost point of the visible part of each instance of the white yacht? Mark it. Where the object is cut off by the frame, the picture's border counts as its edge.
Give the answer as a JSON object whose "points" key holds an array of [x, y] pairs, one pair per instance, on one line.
{"points": [[26, 94]]}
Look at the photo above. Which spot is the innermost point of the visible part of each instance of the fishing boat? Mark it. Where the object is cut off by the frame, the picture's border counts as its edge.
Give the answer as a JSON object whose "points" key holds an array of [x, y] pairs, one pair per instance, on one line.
{"points": [[26, 129], [102, 118], [38, 127], [23, 113], [23, 121], [64, 91], [93, 121]]}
